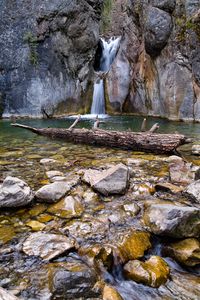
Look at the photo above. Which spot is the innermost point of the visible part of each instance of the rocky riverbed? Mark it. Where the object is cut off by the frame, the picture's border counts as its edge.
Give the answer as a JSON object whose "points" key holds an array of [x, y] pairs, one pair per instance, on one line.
{"points": [[95, 223]]}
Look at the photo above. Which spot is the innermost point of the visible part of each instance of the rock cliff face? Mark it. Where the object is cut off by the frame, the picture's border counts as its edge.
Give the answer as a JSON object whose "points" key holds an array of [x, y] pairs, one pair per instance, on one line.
{"points": [[157, 69], [47, 51]]}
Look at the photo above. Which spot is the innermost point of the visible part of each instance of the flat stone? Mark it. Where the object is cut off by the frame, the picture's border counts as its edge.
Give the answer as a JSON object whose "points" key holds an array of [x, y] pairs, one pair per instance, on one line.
{"points": [[173, 220], [51, 174], [47, 161], [68, 208], [47, 246], [182, 172], [196, 149], [14, 192], [169, 188], [153, 272], [110, 293], [53, 192], [5, 295], [35, 225], [192, 191], [111, 181]]}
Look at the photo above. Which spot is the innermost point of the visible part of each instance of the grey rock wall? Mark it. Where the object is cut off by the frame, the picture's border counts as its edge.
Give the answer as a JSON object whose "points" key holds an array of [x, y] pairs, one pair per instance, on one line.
{"points": [[47, 51]]}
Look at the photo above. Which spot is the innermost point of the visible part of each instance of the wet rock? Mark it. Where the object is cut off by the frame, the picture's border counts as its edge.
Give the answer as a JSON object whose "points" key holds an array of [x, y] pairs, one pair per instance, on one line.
{"points": [[110, 293], [153, 272], [134, 244], [169, 188], [7, 233], [158, 28], [111, 181], [192, 191], [14, 192], [53, 192], [5, 295], [182, 172], [196, 149], [132, 208], [68, 208], [35, 225], [172, 220], [186, 252], [51, 174], [72, 280], [167, 5], [47, 246], [48, 162]]}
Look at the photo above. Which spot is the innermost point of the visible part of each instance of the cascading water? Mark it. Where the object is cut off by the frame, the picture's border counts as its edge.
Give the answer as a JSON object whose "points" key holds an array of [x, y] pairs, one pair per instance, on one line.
{"points": [[109, 51]]}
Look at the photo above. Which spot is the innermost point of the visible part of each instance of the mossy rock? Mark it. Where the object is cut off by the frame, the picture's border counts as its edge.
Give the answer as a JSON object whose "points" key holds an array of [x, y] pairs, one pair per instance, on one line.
{"points": [[134, 245], [154, 272], [110, 293]]}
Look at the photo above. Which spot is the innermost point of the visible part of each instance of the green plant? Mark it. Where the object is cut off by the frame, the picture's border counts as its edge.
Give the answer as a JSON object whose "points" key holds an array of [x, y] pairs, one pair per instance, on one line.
{"points": [[32, 42], [106, 15]]}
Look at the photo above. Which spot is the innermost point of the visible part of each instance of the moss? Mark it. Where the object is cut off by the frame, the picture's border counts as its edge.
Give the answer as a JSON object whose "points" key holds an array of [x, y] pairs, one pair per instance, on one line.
{"points": [[106, 15], [33, 43]]}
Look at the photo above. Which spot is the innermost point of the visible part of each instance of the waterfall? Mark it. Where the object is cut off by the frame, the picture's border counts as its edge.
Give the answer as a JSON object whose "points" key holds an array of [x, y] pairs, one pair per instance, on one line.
{"points": [[109, 51]]}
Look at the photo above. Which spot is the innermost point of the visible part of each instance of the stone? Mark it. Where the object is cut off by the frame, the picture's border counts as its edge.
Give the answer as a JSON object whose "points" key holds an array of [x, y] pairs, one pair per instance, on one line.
{"points": [[182, 172], [35, 225], [192, 191], [172, 220], [167, 5], [196, 149], [5, 295], [158, 27], [47, 161], [51, 174], [53, 192], [111, 181], [133, 245], [153, 272], [110, 293], [168, 187], [68, 208], [47, 246], [14, 192], [132, 208], [187, 251]]}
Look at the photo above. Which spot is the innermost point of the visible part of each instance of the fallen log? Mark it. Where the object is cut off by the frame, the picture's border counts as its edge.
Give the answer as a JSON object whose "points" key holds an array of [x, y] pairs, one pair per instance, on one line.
{"points": [[137, 141]]}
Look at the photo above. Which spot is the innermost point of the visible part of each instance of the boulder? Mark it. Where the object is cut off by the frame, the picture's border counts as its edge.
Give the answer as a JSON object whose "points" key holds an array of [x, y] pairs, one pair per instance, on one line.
{"points": [[111, 181], [14, 192], [153, 272], [192, 191], [173, 220], [47, 246], [53, 192], [186, 252], [158, 27], [5, 295], [169, 188], [110, 293], [68, 208], [134, 244], [167, 5]]}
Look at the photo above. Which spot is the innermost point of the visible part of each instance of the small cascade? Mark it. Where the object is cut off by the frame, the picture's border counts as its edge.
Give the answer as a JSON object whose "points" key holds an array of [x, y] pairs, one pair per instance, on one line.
{"points": [[109, 51]]}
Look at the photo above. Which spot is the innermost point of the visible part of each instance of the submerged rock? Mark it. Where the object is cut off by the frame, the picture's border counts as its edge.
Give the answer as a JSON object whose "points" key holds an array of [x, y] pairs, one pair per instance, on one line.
{"points": [[192, 191], [53, 192], [186, 252], [110, 293], [134, 244], [152, 272], [69, 207], [172, 220], [5, 295], [35, 225], [14, 192], [47, 246], [111, 181], [196, 149]]}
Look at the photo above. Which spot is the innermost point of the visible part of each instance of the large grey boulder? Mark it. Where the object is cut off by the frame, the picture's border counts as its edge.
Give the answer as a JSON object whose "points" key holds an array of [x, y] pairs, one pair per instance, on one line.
{"points": [[47, 246], [158, 28], [167, 5], [14, 192], [5, 295], [172, 220], [192, 191], [111, 181], [53, 192]]}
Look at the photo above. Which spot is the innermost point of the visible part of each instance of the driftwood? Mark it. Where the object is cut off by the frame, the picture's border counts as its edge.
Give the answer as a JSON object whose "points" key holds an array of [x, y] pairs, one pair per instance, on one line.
{"points": [[138, 141]]}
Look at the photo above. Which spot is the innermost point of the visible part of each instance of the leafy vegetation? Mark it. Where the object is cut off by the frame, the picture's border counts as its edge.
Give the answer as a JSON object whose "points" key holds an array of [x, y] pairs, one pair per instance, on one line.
{"points": [[32, 42], [106, 15]]}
